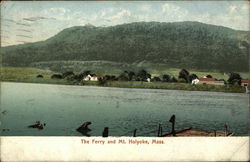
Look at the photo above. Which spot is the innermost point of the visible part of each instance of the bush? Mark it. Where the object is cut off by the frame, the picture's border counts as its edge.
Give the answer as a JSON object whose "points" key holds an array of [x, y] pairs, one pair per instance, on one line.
{"points": [[56, 76]]}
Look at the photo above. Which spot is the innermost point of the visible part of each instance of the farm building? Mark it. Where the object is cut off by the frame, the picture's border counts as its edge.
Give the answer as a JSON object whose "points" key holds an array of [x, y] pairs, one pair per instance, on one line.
{"points": [[90, 78], [245, 82], [207, 81]]}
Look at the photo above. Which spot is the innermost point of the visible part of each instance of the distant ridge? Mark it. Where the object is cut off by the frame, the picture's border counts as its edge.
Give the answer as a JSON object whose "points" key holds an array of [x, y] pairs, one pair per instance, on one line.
{"points": [[188, 44]]}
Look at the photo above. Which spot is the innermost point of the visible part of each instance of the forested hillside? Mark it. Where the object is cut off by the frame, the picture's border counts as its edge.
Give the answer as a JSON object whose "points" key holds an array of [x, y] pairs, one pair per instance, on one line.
{"points": [[191, 45]]}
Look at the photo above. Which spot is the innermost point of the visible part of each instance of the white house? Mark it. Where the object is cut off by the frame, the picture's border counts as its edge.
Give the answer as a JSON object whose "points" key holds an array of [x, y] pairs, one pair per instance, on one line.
{"points": [[148, 79], [195, 81], [90, 78]]}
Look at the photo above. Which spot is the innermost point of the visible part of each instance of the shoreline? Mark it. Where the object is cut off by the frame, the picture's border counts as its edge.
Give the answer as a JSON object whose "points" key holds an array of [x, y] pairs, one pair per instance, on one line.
{"points": [[138, 85]]}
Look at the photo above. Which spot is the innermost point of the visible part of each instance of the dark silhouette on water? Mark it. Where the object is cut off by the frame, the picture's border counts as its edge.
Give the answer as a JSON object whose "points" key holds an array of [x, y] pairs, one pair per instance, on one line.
{"points": [[4, 112], [38, 125], [84, 129], [172, 120], [159, 131], [226, 129], [6, 130], [134, 135], [105, 132]]}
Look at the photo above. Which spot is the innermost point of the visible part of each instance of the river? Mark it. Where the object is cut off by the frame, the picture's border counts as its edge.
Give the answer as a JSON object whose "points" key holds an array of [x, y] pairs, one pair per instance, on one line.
{"points": [[64, 108]]}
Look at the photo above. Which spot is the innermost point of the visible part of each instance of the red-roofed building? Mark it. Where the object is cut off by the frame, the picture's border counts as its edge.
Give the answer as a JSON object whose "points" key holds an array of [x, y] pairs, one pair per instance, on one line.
{"points": [[245, 82], [207, 81]]}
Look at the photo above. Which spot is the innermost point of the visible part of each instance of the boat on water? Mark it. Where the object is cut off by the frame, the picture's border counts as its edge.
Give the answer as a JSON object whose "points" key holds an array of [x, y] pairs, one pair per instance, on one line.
{"points": [[196, 132]]}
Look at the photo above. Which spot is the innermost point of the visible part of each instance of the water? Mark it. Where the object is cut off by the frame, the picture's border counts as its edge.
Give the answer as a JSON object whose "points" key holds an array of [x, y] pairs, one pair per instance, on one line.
{"points": [[64, 108]]}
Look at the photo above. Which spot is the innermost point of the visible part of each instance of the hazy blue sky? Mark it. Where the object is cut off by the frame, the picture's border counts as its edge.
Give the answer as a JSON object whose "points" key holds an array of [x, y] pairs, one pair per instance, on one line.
{"points": [[34, 21]]}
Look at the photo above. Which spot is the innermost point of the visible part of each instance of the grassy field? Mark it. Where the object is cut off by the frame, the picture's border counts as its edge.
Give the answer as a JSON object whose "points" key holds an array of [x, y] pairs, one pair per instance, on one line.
{"points": [[29, 75], [23, 73]]}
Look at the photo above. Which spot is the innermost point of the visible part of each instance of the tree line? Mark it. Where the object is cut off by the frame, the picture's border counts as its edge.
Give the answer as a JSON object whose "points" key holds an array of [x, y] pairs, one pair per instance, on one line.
{"points": [[184, 77]]}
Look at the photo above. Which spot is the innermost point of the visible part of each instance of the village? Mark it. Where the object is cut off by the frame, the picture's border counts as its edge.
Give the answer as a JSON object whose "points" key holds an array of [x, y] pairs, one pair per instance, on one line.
{"points": [[142, 76]]}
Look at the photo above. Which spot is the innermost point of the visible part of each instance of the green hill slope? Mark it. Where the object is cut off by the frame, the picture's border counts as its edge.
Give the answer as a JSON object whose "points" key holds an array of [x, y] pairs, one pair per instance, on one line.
{"points": [[189, 45]]}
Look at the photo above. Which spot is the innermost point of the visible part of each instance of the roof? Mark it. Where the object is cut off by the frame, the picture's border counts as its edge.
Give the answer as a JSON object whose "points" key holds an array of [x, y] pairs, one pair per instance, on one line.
{"points": [[206, 79], [245, 81]]}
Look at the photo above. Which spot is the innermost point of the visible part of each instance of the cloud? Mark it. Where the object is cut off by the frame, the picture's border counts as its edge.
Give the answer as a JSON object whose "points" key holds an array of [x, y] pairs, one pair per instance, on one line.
{"points": [[237, 17], [173, 12], [245, 8], [145, 8], [57, 13], [107, 12], [170, 7], [240, 9], [232, 9], [59, 10], [121, 14], [234, 16], [37, 18]]}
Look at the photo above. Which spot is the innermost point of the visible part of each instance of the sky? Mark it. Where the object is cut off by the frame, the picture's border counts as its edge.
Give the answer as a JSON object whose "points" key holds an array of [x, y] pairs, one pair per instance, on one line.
{"points": [[31, 21]]}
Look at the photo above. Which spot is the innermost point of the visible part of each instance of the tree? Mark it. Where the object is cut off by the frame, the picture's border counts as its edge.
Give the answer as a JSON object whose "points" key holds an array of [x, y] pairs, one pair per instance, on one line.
{"points": [[173, 79], [56, 76], [113, 77], [156, 79], [234, 78], [131, 74], [209, 76], [102, 81], [123, 77], [110, 77], [192, 77], [107, 77], [80, 76], [68, 74], [39, 76], [142, 75], [126, 75], [184, 74], [85, 73], [166, 78]]}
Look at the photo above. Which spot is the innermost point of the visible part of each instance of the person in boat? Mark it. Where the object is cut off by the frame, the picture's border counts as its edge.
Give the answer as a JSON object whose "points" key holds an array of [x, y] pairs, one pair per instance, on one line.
{"points": [[84, 127]]}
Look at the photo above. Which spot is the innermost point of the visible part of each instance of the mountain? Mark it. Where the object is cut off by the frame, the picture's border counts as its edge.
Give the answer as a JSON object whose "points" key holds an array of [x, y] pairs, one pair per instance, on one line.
{"points": [[190, 45]]}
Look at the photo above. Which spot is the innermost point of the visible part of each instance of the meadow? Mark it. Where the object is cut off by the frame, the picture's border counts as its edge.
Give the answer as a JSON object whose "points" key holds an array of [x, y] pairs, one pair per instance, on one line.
{"points": [[29, 75]]}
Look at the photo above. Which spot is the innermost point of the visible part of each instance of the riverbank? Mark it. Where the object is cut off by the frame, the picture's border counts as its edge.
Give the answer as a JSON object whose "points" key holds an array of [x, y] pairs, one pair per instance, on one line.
{"points": [[175, 86], [28, 75], [137, 84]]}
